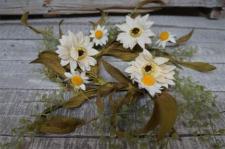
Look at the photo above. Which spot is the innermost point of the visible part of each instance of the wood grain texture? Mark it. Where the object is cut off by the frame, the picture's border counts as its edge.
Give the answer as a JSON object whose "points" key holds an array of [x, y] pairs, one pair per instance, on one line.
{"points": [[12, 7], [22, 85]]}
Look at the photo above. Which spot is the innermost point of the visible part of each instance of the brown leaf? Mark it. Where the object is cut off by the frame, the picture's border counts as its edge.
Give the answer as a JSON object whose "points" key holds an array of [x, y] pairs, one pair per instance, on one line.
{"points": [[60, 29], [145, 2], [106, 89], [199, 66], [167, 113], [80, 98], [100, 104], [119, 52], [51, 61], [152, 123], [115, 73], [59, 124], [184, 38]]}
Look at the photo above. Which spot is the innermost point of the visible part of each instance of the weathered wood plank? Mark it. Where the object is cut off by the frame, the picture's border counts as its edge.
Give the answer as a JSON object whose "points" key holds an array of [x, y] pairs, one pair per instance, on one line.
{"points": [[159, 20], [27, 50], [23, 103], [11, 7], [17, 31], [22, 75]]}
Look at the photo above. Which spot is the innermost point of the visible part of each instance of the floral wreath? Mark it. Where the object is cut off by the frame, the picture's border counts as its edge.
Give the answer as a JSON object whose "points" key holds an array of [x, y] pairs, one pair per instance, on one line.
{"points": [[152, 71]]}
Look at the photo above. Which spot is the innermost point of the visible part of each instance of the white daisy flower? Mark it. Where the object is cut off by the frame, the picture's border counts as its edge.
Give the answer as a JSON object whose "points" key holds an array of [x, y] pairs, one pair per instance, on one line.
{"points": [[135, 31], [99, 35], [165, 37], [77, 79], [151, 73], [76, 49]]}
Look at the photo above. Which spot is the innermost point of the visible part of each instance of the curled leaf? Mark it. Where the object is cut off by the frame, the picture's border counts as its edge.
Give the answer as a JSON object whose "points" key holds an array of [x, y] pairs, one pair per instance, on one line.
{"points": [[51, 61], [167, 113], [58, 124], [115, 73], [199, 66], [80, 98], [184, 38]]}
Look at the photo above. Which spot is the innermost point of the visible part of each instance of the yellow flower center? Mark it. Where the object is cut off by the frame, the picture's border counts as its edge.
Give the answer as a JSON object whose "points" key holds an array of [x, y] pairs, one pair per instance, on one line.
{"points": [[81, 53], [135, 32], [148, 80], [164, 36], [98, 34], [77, 80]]}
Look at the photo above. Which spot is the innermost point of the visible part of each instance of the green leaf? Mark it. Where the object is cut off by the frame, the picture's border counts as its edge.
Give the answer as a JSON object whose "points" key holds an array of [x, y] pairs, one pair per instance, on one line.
{"points": [[167, 113], [51, 61], [115, 73], [58, 124], [121, 53], [80, 98], [184, 38], [199, 66]]}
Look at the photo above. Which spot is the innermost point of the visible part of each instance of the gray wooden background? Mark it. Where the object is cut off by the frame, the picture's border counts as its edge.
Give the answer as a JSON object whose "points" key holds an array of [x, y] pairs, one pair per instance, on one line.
{"points": [[14, 7], [22, 84]]}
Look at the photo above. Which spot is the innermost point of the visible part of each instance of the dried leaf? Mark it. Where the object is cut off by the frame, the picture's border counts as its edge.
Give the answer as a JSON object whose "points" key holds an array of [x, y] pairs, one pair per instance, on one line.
{"points": [[80, 98], [167, 113], [184, 38], [60, 29], [199, 66], [24, 21], [152, 123], [51, 61], [119, 52], [106, 89], [145, 2], [59, 124], [115, 73], [101, 20], [100, 104]]}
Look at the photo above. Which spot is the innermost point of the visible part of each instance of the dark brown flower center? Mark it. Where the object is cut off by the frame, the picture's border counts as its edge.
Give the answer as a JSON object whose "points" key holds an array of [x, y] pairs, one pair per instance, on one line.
{"points": [[80, 52], [135, 30], [148, 68]]}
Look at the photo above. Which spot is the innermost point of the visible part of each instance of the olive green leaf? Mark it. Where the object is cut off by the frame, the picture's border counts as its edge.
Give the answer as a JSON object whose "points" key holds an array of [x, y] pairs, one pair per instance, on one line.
{"points": [[117, 50], [80, 98], [167, 113], [58, 124], [184, 38], [199, 66], [115, 73], [24, 21], [51, 61]]}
